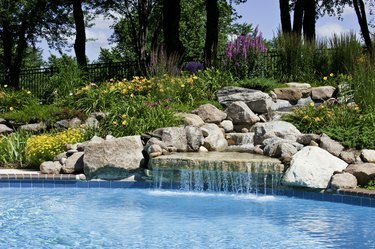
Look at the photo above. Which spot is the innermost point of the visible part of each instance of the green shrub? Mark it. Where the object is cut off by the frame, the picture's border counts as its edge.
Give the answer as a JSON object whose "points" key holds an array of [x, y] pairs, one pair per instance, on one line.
{"points": [[40, 148], [262, 84], [12, 100], [13, 149]]}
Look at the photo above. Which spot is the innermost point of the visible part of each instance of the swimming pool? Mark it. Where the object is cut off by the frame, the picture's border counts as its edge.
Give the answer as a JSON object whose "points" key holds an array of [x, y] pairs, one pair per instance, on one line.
{"points": [[146, 218]]}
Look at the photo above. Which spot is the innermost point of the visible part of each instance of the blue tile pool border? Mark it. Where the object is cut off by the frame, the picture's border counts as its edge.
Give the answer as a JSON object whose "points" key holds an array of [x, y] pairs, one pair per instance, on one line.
{"points": [[352, 197]]}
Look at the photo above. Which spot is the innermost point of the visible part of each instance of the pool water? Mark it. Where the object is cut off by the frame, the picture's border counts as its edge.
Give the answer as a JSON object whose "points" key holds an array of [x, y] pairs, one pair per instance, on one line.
{"points": [[143, 218]]}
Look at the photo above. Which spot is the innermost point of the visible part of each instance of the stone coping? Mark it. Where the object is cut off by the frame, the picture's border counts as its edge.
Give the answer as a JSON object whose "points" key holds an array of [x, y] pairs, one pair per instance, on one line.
{"points": [[27, 174]]}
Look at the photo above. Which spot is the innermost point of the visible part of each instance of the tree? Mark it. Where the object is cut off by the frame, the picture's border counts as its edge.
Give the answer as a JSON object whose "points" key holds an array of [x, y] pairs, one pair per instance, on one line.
{"points": [[171, 23], [360, 11], [286, 25], [21, 23], [212, 31], [80, 40]]}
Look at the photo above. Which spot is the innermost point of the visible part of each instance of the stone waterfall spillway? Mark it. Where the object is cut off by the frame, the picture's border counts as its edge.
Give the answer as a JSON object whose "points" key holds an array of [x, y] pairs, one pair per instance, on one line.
{"points": [[217, 172]]}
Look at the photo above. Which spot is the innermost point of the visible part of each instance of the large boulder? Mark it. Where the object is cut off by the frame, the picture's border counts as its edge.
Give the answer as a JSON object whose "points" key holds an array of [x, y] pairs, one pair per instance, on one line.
{"points": [[191, 119], [173, 137], [215, 141], [5, 129], [364, 172], [271, 129], [330, 145], [368, 156], [194, 138], [113, 159], [343, 181], [210, 114], [312, 167], [288, 93], [322, 93], [37, 127], [240, 113], [50, 167], [258, 101], [74, 164]]}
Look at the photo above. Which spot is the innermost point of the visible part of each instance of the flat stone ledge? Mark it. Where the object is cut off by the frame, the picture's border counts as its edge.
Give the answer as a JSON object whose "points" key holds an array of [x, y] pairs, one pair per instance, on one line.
{"points": [[358, 192], [24, 174]]}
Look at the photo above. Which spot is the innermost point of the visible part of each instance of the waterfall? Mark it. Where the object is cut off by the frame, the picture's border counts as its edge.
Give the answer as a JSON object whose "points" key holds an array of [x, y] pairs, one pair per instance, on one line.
{"points": [[217, 180]]}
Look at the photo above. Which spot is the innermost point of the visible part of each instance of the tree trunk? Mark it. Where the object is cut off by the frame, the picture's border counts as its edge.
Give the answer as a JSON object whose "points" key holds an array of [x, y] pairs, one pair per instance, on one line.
{"points": [[285, 16], [7, 43], [360, 11], [171, 20], [212, 32], [80, 41], [309, 20], [298, 17]]}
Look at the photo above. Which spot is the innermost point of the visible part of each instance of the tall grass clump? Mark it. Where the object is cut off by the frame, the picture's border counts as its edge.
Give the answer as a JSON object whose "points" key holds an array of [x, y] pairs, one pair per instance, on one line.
{"points": [[161, 63], [345, 51], [13, 148]]}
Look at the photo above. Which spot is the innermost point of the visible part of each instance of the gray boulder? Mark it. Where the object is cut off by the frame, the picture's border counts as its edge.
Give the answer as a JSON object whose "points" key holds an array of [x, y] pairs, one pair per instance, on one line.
{"points": [[330, 145], [368, 156], [215, 141], [194, 138], [37, 127], [282, 104], [50, 167], [271, 129], [2, 121], [322, 93], [257, 101], [227, 125], [74, 164], [173, 136], [240, 113], [351, 156], [113, 159], [343, 181], [5, 129], [306, 139], [288, 93], [210, 114], [156, 141], [92, 123], [275, 147], [312, 167], [192, 119], [364, 172]]}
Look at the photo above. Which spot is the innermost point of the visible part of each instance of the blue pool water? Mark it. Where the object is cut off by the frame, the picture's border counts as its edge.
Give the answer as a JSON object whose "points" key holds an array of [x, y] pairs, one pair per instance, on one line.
{"points": [[142, 218]]}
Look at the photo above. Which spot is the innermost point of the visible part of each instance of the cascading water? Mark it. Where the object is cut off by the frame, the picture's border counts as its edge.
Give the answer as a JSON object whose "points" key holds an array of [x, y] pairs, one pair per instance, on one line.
{"points": [[216, 181]]}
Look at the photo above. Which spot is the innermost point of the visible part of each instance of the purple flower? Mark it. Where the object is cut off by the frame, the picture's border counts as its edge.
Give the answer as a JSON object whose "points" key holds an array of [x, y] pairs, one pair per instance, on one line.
{"points": [[193, 66]]}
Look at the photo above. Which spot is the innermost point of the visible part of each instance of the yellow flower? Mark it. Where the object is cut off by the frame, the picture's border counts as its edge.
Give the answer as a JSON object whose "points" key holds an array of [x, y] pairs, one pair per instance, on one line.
{"points": [[306, 117], [28, 92], [317, 119], [5, 86], [325, 78], [11, 108], [115, 122], [312, 104], [331, 74], [131, 95], [124, 122], [182, 85]]}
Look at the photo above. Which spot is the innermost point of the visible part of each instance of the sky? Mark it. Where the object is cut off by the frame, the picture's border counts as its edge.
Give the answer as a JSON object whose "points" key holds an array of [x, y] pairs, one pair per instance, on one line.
{"points": [[264, 13]]}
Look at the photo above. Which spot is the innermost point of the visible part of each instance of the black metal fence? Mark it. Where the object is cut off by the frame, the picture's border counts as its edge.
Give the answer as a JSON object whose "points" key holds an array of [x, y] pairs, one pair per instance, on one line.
{"points": [[38, 79]]}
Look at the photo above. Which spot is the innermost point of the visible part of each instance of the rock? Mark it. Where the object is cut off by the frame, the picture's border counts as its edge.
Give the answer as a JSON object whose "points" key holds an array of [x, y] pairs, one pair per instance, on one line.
{"points": [[71, 152], [202, 149], [113, 159], [282, 104], [155, 154], [227, 125], [82, 177], [5, 129], [205, 132], [364, 172], [322, 93], [50, 167], [273, 96], [290, 94], [192, 119], [273, 147], [313, 143], [215, 141], [312, 167], [92, 123], [2, 121], [60, 156], [109, 137], [171, 149], [165, 152], [306, 139], [74, 123], [194, 138], [154, 148], [240, 138], [173, 136], [343, 181], [280, 129], [81, 146], [351, 157], [330, 145], [210, 114], [286, 151], [37, 127], [240, 113], [298, 85], [62, 124], [257, 101], [74, 164], [368, 156], [156, 141]]}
